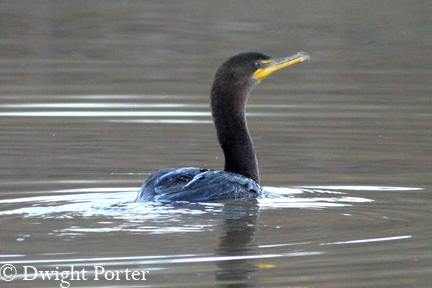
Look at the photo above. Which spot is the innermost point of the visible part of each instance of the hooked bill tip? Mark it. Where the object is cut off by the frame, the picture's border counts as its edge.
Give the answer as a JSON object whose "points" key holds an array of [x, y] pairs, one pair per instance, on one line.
{"points": [[303, 56]]}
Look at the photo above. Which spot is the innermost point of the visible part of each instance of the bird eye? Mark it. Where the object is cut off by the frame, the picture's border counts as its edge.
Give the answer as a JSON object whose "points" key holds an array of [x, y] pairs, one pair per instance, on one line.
{"points": [[258, 64]]}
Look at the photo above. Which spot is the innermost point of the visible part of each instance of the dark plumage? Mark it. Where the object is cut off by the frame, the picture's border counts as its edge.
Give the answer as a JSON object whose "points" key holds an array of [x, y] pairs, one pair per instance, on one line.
{"points": [[195, 184], [233, 81]]}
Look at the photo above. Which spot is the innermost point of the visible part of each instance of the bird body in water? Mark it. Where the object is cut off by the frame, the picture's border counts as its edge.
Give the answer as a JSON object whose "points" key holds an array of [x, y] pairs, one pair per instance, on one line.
{"points": [[233, 82]]}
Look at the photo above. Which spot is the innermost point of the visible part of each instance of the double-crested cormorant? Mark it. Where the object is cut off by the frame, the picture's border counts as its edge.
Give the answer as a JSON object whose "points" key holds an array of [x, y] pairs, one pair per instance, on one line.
{"points": [[233, 82]]}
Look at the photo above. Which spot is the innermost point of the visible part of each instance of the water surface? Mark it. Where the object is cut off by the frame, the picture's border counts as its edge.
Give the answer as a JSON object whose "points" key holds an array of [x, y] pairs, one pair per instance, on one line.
{"points": [[95, 97]]}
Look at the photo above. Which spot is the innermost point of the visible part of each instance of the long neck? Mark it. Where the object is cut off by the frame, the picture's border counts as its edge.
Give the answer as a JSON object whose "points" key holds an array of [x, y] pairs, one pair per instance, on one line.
{"points": [[228, 106]]}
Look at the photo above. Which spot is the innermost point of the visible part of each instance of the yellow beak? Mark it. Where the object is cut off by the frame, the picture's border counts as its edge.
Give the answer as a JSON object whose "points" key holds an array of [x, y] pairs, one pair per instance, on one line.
{"points": [[270, 66]]}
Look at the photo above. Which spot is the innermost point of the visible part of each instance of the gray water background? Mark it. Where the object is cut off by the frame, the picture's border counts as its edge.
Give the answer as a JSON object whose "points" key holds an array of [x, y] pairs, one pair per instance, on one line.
{"points": [[96, 95]]}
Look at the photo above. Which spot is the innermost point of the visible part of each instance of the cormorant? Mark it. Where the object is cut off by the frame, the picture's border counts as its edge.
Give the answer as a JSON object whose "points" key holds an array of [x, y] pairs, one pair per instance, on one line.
{"points": [[233, 82]]}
